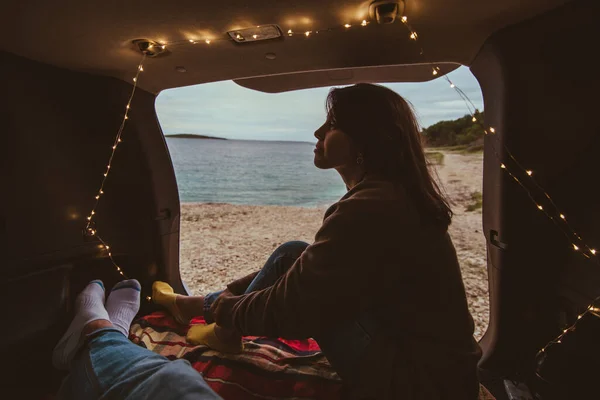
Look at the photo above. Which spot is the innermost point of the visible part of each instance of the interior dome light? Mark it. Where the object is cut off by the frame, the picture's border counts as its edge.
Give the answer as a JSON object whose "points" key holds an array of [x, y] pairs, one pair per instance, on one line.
{"points": [[255, 34]]}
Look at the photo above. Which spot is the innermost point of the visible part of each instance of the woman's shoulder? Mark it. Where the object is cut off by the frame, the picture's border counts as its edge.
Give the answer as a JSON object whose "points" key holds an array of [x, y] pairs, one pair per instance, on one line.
{"points": [[374, 197], [378, 189], [378, 192]]}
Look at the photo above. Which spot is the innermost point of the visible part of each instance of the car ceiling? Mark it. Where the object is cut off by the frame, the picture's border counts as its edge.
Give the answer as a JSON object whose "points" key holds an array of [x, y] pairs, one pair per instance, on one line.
{"points": [[96, 37]]}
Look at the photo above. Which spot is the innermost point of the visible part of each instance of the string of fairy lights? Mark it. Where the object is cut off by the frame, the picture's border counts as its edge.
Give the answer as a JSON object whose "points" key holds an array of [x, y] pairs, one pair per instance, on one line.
{"points": [[90, 229], [551, 210]]}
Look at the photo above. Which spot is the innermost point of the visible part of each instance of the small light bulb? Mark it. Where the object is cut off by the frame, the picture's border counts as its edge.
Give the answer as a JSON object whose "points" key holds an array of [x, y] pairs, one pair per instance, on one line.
{"points": [[593, 251], [121, 272], [347, 26], [565, 331], [543, 350], [141, 68], [164, 46], [452, 85], [102, 192], [558, 341], [207, 41], [150, 46], [575, 247], [108, 166], [502, 166], [134, 79], [290, 32], [404, 19], [89, 218], [109, 254], [562, 216], [127, 106], [97, 197], [191, 41], [529, 172], [114, 147], [119, 140], [579, 316], [540, 207], [105, 174], [307, 33], [126, 117], [413, 35], [255, 36], [474, 119], [148, 298], [93, 212], [492, 130], [435, 72], [364, 22]]}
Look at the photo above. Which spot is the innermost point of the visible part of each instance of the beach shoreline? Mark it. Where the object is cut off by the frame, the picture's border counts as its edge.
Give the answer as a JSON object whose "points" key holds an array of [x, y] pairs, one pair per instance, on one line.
{"points": [[220, 242]]}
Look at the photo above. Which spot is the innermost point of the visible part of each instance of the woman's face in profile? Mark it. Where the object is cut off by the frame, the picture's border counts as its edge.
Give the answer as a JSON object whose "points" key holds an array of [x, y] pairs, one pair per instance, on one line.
{"points": [[334, 148]]}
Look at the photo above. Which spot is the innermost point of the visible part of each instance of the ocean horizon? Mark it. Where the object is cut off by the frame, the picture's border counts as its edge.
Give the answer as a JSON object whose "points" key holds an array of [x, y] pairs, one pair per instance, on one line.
{"points": [[252, 172], [203, 137]]}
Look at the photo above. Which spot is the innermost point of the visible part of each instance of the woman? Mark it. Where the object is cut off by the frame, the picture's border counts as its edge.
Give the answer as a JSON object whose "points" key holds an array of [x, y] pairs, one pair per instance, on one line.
{"points": [[380, 288]]}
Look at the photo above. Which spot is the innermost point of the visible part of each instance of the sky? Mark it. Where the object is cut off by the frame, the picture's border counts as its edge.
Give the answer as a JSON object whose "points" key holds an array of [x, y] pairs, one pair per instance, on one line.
{"points": [[227, 110]]}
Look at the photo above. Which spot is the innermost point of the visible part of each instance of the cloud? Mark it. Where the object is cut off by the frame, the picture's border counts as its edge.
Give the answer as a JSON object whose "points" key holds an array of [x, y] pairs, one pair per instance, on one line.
{"points": [[225, 109]]}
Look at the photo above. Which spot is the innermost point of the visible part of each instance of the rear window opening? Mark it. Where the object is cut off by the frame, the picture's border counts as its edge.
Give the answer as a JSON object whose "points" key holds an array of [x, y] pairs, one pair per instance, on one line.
{"points": [[244, 196]]}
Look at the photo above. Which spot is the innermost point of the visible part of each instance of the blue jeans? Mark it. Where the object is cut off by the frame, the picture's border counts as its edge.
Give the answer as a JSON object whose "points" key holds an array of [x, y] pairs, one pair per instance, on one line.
{"points": [[345, 345], [109, 366]]}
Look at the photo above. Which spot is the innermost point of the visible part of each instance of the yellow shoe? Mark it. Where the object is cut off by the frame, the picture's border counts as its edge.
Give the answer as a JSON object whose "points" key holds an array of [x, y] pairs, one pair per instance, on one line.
{"points": [[205, 335], [163, 295]]}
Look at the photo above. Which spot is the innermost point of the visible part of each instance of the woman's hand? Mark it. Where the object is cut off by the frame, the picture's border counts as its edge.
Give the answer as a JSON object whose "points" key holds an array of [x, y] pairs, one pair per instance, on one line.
{"points": [[222, 307]]}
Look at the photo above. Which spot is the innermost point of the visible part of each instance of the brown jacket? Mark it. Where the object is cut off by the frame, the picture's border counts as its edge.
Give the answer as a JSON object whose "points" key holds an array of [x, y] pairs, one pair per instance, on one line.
{"points": [[374, 253]]}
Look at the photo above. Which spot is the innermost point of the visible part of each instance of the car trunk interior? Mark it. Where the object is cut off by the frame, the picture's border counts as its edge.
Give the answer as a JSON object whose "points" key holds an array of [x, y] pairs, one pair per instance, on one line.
{"points": [[66, 72]]}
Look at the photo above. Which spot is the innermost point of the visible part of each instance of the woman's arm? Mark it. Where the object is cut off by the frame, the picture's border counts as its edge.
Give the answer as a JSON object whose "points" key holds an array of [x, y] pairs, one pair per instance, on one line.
{"points": [[328, 283]]}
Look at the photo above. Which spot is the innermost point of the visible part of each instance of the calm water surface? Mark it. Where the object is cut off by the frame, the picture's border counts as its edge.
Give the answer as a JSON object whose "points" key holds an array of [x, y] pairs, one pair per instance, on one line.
{"points": [[252, 172]]}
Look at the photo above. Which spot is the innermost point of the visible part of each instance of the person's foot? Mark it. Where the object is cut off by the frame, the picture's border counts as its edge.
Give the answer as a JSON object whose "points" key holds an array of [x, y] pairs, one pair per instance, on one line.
{"points": [[89, 306], [182, 308], [215, 337], [123, 304]]}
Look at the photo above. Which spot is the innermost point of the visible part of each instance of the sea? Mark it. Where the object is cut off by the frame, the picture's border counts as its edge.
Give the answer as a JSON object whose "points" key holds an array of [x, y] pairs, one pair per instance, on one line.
{"points": [[252, 173]]}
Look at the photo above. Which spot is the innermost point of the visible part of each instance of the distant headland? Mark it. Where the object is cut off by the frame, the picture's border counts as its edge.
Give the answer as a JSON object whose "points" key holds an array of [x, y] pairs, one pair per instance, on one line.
{"points": [[192, 136]]}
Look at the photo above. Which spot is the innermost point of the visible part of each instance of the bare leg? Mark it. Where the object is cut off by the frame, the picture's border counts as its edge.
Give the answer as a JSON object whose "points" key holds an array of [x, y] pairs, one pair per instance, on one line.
{"points": [[95, 325], [182, 308]]}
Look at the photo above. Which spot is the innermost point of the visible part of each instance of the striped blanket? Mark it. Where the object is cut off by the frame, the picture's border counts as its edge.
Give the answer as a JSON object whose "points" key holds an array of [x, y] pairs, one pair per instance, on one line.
{"points": [[267, 369]]}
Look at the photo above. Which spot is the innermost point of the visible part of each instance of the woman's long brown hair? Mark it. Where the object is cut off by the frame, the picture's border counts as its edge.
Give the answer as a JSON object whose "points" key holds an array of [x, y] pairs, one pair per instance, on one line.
{"points": [[386, 131]]}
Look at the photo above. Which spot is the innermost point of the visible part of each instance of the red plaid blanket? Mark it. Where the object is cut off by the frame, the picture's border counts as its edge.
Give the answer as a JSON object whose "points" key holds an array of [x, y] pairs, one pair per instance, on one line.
{"points": [[267, 369]]}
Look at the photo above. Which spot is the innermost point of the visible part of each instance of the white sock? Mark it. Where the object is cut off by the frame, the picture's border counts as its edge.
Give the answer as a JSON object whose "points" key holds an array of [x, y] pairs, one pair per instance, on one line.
{"points": [[123, 304], [89, 306]]}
